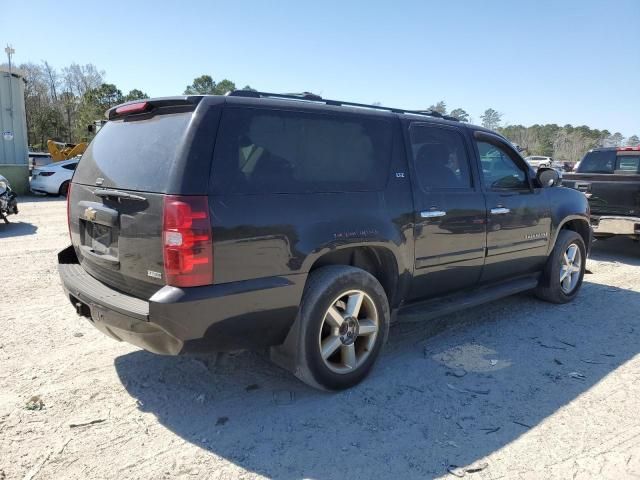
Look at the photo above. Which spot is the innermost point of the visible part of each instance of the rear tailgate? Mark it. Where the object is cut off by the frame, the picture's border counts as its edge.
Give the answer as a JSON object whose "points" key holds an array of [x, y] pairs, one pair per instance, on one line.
{"points": [[613, 193], [117, 194]]}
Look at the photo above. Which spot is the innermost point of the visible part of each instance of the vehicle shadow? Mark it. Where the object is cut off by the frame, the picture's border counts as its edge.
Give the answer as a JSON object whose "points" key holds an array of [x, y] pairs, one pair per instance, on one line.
{"points": [[32, 198], [617, 249], [16, 229], [447, 392]]}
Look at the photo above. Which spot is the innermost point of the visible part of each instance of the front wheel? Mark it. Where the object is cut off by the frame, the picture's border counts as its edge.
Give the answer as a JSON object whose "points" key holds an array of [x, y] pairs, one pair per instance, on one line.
{"points": [[563, 274], [344, 320]]}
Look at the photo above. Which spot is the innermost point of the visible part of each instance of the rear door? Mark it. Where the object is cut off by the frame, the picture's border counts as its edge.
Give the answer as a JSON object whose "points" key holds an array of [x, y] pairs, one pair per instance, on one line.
{"points": [[117, 193], [519, 214], [450, 217]]}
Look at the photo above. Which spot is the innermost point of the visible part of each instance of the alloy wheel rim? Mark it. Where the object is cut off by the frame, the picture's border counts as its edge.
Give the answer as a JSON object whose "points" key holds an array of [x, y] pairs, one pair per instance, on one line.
{"points": [[570, 268], [348, 332]]}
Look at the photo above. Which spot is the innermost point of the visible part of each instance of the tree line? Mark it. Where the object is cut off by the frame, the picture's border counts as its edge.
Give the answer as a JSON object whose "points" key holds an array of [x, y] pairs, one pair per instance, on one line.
{"points": [[563, 143], [61, 103]]}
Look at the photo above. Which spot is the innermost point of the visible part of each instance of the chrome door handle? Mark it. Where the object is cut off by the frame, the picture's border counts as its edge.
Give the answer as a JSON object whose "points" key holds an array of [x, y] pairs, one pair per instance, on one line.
{"points": [[432, 213], [499, 211]]}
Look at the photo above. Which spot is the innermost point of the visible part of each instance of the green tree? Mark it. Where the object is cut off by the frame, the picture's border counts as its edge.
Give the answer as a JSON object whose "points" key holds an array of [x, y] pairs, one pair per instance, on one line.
{"points": [[460, 114], [202, 85], [105, 96], [205, 85], [135, 94], [616, 140], [224, 86], [491, 119], [439, 107], [633, 141]]}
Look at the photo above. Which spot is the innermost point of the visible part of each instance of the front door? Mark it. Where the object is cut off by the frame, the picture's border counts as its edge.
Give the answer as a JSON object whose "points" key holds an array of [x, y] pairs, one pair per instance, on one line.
{"points": [[450, 229], [519, 215]]}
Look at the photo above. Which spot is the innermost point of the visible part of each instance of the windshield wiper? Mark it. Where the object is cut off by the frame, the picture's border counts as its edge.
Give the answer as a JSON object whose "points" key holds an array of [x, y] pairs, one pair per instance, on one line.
{"points": [[105, 192]]}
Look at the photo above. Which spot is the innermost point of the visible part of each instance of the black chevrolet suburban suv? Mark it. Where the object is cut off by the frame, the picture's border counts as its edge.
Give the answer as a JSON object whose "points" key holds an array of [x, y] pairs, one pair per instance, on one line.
{"points": [[217, 223], [610, 178]]}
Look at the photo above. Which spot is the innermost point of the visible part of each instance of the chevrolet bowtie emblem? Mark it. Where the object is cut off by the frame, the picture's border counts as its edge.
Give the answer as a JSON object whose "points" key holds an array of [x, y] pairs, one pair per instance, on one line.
{"points": [[90, 214]]}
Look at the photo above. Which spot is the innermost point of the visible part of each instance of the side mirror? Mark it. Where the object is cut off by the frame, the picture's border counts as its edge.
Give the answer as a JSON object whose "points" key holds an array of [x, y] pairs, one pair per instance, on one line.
{"points": [[548, 177], [91, 128]]}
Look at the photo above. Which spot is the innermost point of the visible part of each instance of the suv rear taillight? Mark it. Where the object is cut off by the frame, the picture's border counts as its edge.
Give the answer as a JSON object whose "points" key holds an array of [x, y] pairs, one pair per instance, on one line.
{"points": [[187, 241]]}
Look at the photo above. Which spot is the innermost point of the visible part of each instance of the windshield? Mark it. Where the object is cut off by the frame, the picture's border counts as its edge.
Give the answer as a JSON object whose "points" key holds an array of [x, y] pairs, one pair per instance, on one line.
{"points": [[598, 161]]}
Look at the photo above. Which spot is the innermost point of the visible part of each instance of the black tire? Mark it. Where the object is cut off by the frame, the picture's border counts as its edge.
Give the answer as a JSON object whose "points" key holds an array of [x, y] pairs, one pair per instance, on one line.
{"points": [[64, 189], [549, 288], [323, 287]]}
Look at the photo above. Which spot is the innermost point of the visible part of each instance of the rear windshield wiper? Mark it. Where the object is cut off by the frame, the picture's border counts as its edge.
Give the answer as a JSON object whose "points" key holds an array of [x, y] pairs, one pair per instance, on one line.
{"points": [[105, 192]]}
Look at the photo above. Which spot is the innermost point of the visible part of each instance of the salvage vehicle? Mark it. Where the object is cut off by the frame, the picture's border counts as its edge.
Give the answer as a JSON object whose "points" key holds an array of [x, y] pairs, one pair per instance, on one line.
{"points": [[8, 200], [306, 225], [54, 178], [610, 178]]}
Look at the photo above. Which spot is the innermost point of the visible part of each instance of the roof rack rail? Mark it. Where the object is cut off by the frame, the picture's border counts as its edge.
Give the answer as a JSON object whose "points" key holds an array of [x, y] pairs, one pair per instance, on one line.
{"points": [[317, 98]]}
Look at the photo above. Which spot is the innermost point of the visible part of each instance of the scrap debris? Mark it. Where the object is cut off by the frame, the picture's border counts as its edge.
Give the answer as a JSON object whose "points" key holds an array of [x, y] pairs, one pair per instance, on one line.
{"points": [[522, 424], [34, 403], [460, 472], [487, 431], [86, 424]]}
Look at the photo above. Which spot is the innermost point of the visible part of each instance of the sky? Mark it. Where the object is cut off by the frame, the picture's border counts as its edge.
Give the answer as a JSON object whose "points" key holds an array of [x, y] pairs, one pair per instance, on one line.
{"points": [[535, 61]]}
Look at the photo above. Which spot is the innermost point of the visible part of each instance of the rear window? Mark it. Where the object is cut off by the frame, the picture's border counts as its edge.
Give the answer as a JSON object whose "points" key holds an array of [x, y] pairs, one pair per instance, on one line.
{"points": [[134, 154], [629, 163], [275, 151], [599, 161]]}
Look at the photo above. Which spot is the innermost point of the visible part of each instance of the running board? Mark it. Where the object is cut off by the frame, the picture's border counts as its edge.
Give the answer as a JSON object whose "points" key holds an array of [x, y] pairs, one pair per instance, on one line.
{"points": [[429, 309]]}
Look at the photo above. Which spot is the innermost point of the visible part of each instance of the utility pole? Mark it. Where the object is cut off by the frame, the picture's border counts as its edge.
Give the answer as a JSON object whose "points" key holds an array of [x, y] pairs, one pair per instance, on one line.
{"points": [[10, 51]]}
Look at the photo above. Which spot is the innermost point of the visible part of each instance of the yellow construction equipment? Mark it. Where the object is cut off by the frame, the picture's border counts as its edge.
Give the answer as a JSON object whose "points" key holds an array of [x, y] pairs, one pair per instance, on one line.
{"points": [[64, 151]]}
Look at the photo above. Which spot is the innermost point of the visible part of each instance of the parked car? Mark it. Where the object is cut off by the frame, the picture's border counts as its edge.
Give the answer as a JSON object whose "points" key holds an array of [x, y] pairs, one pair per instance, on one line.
{"points": [[610, 178], [213, 223], [53, 178], [537, 161]]}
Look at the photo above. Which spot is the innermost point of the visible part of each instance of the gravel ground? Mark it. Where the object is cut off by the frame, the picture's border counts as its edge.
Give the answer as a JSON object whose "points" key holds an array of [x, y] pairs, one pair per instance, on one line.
{"points": [[518, 389]]}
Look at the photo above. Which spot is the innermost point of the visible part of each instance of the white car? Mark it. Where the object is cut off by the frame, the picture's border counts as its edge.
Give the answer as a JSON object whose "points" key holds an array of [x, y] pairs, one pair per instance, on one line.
{"points": [[537, 161], [53, 178]]}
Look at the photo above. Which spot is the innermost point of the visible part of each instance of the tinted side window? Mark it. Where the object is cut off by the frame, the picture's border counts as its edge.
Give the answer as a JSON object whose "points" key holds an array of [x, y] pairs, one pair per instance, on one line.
{"points": [[440, 158], [274, 151], [599, 161], [499, 170]]}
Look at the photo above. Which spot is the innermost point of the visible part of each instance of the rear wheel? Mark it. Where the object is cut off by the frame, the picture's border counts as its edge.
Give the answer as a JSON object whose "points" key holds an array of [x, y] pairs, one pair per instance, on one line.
{"points": [[344, 321], [64, 189], [563, 274]]}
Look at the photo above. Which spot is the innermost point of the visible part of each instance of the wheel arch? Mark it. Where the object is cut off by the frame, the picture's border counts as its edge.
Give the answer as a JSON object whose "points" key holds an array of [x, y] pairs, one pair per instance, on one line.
{"points": [[578, 224], [378, 260]]}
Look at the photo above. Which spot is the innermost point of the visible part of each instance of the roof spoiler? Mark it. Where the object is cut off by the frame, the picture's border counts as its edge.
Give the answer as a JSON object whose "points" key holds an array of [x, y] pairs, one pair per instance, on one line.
{"points": [[149, 107]]}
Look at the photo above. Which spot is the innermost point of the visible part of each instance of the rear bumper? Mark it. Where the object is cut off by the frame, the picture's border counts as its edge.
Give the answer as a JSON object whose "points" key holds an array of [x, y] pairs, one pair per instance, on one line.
{"points": [[615, 225], [40, 185], [240, 315]]}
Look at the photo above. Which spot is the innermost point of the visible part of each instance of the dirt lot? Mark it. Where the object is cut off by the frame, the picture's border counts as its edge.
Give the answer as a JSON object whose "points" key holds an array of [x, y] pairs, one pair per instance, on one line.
{"points": [[518, 389]]}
